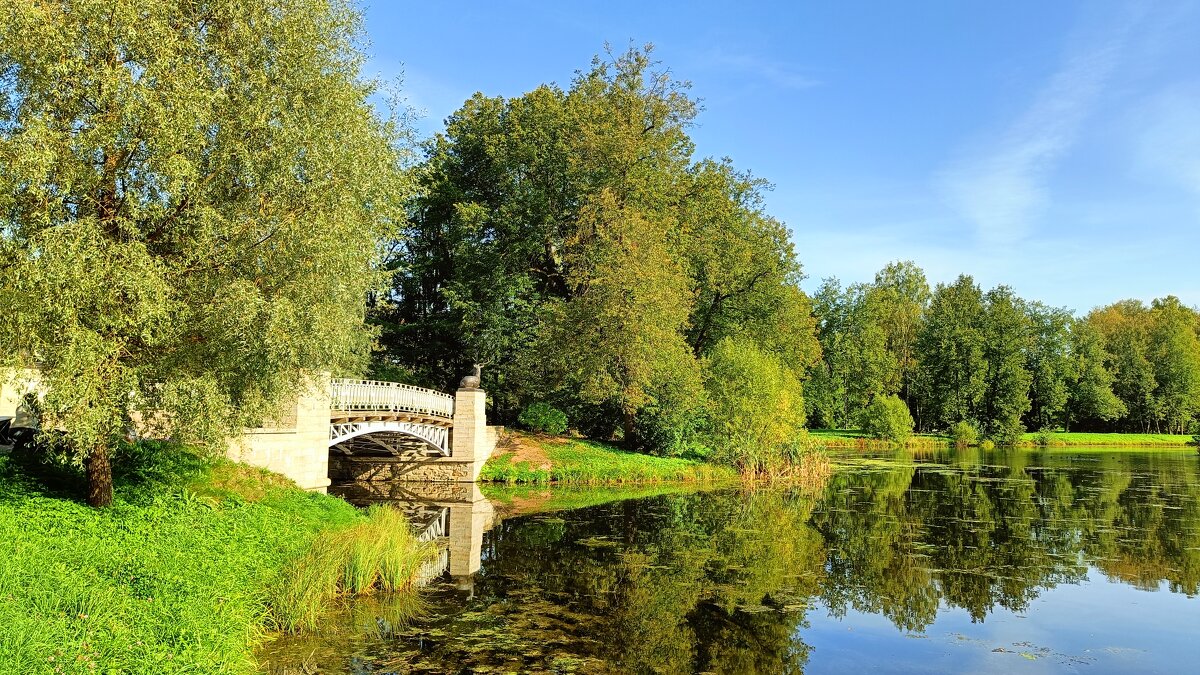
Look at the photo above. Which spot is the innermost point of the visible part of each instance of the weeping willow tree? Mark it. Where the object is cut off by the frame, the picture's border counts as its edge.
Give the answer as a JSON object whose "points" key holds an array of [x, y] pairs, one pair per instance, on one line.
{"points": [[191, 196]]}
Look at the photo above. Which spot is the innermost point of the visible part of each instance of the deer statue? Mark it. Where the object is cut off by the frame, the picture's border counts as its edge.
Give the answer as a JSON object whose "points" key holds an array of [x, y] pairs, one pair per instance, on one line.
{"points": [[471, 381]]}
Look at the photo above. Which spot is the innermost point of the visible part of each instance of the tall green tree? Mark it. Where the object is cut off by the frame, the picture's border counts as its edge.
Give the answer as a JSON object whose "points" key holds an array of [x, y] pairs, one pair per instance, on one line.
{"points": [[1006, 342], [744, 271], [1090, 389], [1174, 351], [1125, 328], [899, 298], [569, 239], [191, 200], [622, 331], [950, 351], [858, 365], [1050, 364]]}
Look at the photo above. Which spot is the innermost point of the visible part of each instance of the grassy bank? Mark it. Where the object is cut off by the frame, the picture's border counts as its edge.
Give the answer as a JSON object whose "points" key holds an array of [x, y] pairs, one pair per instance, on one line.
{"points": [[1063, 439], [855, 439], [184, 573], [536, 460], [519, 500]]}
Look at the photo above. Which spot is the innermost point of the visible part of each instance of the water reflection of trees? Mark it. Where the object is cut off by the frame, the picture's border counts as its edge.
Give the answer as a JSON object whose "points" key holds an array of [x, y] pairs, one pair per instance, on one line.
{"points": [[715, 583], [980, 536], [723, 582]]}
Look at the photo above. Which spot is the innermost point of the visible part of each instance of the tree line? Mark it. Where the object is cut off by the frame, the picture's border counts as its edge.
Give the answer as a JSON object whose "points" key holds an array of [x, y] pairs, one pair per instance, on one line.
{"points": [[955, 355], [570, 241]]}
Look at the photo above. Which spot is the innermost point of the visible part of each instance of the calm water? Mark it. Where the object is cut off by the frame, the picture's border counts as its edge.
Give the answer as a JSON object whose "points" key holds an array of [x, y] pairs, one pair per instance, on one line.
{"points": [[972, 562]]}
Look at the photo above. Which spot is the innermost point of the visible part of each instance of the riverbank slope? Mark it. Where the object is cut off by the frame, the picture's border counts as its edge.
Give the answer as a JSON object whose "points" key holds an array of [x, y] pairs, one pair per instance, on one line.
{"points": [[177, 576], [539, 460]]}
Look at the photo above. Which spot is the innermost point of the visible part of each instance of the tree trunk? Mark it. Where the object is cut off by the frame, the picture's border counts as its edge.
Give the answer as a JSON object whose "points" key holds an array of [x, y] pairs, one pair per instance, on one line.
{"points": [[630, 433], [99, 477]]}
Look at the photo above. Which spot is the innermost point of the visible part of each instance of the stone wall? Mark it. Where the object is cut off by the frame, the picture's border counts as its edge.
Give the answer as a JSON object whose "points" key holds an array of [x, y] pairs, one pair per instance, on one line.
{"points": [[299, 447], [14, 384], [344, 468]]}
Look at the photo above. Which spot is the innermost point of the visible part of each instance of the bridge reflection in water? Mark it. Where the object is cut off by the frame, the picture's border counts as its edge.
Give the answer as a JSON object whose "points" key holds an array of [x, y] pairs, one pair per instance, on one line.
{"points": [[454, 515]]}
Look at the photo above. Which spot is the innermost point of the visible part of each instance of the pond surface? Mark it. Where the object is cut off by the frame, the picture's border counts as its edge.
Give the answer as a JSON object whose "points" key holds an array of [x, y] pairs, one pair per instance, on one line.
{"points": [[1029, 562]]}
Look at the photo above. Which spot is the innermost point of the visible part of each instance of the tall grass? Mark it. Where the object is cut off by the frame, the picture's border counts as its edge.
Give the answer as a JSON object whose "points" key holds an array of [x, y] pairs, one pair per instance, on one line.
{"points": [[813, 471], [378, 554]]}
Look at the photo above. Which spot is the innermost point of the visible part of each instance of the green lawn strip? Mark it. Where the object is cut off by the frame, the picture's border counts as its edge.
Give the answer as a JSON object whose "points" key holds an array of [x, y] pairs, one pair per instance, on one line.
{"points": [[541, 499], [1060, 439], [171, 579], [591, 462], [854, 438]]}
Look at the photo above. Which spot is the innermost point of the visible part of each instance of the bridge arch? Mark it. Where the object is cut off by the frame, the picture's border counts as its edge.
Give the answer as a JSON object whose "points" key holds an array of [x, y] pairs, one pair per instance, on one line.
{"points": [[381, 433]]}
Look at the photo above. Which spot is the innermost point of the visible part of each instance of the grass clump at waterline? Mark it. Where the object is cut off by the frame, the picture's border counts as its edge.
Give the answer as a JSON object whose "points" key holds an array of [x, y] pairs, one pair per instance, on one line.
{"points": [[535, 460], [184, 573], [379, 554]]}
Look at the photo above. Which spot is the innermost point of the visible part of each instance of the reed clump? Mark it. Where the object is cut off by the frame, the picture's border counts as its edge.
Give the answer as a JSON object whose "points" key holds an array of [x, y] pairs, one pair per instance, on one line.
{"points": [[813, 470], [379, 554]]}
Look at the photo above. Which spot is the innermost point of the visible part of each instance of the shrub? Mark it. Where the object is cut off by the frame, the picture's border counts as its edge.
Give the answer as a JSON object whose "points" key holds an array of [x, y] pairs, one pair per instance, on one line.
{"points": [[887, 417], [756, 408], [964, 434], [543, 418], [1006, 433], [673, 424], [988, 444]]}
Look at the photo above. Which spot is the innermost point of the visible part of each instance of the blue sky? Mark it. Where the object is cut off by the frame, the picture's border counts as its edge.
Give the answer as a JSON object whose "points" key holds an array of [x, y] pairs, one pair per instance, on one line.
{"points": [[1050, 146]]}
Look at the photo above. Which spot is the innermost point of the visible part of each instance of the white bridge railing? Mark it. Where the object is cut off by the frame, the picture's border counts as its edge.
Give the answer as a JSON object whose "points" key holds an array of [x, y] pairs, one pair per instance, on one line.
{"points": [[371, 395]]}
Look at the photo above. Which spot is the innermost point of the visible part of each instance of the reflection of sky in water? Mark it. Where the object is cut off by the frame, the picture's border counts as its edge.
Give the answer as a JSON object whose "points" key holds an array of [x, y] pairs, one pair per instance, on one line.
{"points": [[1094, 627]]}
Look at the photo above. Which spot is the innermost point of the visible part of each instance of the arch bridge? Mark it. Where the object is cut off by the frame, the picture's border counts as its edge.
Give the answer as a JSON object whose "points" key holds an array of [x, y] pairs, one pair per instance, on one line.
{"points": [[371, 430], [359, 430], [373, 417]]}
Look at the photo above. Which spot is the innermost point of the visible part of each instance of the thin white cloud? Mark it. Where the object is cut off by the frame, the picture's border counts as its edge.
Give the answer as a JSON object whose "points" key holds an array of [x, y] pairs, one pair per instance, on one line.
{"points": [[1001, 186], [1168, 140], [782, 75]]}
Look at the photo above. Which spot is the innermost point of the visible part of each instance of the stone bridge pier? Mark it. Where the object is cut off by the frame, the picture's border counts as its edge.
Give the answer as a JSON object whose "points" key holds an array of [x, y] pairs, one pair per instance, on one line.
{"points": [[455, 516]]}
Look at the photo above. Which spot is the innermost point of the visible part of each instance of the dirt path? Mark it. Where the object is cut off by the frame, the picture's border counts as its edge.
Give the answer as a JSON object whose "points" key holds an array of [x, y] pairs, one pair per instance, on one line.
{"points": [[528, 449]]}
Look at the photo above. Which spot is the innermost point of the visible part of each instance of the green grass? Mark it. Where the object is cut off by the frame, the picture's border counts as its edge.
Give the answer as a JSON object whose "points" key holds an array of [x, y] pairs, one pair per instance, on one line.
{"points": [[176, 577], [379, 554], [1062, 439], [592, 463], [854, 438], [541, 499]]}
